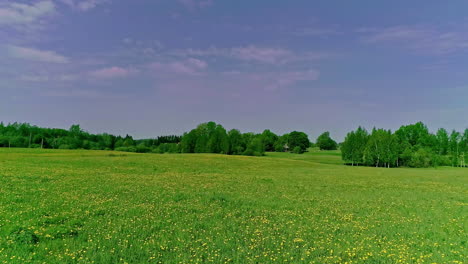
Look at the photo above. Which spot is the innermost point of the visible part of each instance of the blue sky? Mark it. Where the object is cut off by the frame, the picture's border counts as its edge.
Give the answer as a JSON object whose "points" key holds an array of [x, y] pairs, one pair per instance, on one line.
{"points": [[153, 67]]}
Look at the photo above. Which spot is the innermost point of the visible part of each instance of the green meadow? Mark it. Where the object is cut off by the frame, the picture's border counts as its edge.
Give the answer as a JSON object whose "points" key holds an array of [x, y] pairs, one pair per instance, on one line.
{"points": [[76, 206]]}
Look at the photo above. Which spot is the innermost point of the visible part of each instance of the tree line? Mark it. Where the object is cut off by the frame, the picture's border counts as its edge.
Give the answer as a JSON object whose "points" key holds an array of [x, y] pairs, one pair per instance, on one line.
{"points": [[410, 146], [213, 138], [24, 135], [205, 138]]}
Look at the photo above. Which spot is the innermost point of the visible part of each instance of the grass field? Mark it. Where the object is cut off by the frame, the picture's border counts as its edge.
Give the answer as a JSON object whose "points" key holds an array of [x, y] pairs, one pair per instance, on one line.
{"points": [[110, 207]]}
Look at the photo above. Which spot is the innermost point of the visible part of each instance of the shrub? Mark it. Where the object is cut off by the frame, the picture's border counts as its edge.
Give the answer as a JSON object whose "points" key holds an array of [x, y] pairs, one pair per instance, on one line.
{"points": [[126, 149], [279, 147], [251, 152], [421, 159], [141, 148], [157, 150], [297, 150]]}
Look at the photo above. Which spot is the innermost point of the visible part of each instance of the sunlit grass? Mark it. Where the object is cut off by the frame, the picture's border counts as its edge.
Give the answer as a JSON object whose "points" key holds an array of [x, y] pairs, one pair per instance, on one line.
{"points": [[111, 207]]}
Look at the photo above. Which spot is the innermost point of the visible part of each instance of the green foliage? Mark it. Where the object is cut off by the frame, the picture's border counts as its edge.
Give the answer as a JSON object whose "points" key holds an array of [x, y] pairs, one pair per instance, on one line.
{"points": [[167, 148], [298, 139], [281, 143], [236, 143], [126, 149], [421, 159], [213, 138], [325, 142], [269, 139], [142, 148], [205, 138], [442, 141], [352, 149], [279, 147], [27, 136], [255, 147], [411, 146], [297, 150]]}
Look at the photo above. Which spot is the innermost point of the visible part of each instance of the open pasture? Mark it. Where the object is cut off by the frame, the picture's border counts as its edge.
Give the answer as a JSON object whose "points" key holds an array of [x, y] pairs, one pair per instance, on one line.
{"points": [[60, 206]]}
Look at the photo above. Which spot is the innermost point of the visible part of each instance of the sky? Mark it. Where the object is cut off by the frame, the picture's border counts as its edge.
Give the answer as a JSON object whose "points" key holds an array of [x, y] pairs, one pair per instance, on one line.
{"points": [[158, 67]]}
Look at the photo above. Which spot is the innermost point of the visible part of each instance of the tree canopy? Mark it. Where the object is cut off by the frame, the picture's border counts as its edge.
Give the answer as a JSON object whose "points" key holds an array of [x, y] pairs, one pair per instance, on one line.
{"points": [[298, 141], [411, 146], [325, 142], [205, 138]]}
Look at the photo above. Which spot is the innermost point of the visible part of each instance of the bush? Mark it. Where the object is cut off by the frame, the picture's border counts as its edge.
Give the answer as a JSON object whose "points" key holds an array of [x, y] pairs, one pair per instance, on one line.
{"points": [[142, 148], [248, 152], [279, 147], [126, 149], [251, 152], [421, 159], [166, 148], [444, 161], [325, 142], [157, 150], [238, 150], [298, 150]]}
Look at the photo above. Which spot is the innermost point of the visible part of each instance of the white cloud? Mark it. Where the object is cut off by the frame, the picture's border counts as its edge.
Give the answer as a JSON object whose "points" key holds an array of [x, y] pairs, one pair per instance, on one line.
{"points": [[265, 55], [34, 78], [193, 4], [252, 53], [189, 66], [22, 14], [420, 39], [36, 55], [84, 5], [89, 4], [285, 79], [316, 32], [75, 93], [127, 41], [49, 77], [67, 77], [112, 73], [271, 81]]}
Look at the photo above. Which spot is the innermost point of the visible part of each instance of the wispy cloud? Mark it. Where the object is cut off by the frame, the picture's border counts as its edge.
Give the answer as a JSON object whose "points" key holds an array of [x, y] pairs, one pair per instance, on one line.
{"points": [[421, 39], [34, 78], [36, 55], [77, 93], [144, 48], [194, 4], [13, 13], [275, 81], [316, 32], [252, 53], [84, 5], [49, 78], [112, 73], [272, 81], [265, 55], [190, 66]]}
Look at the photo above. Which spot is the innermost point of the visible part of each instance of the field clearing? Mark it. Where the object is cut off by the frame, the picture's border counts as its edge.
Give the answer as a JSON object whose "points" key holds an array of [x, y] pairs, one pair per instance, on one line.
{"points": [[59, 206]]}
